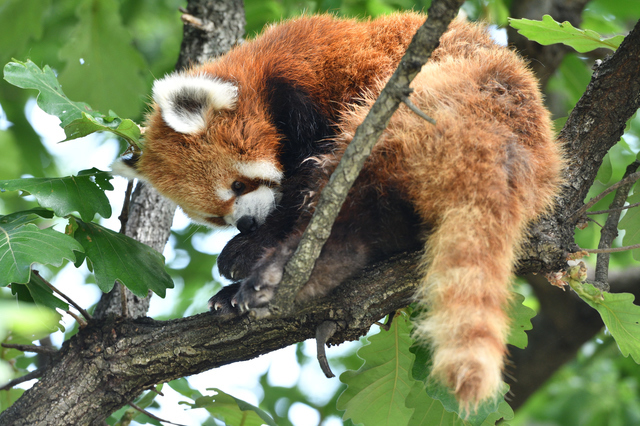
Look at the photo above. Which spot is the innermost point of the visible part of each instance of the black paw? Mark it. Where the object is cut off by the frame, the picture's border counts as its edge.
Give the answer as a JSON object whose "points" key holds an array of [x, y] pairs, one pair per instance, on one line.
{"points": [[239, 257], [221, 302], [255, 291]]}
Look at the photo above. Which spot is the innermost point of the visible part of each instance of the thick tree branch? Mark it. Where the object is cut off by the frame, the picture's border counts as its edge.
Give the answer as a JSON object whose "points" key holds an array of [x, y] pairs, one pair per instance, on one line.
{"points": [[110, 362]]}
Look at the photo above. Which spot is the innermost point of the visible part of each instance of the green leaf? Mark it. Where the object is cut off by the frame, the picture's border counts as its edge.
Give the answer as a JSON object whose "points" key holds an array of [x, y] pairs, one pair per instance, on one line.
{"points": [[520, 321], [548, 31], [231, 410], [40, 293], [83, 193], [115, 256], [77, 118], [102, 66], [376, 393], [183, 387], [126, 129], [619, 314], [431, 412], [26, 319], [22, 245], [52, 99], [630, 223], [16, 219]]}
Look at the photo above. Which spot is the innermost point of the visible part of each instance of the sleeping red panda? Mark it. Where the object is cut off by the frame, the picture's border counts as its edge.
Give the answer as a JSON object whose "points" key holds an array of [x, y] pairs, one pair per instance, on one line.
{"points": [[250, 139]]}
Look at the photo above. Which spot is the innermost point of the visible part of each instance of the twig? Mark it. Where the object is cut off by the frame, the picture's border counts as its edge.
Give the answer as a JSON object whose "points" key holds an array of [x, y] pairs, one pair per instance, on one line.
{"points": [[387, 325], [630, 206], [299, 267], [610, 229], [29, 376], [612, 249], [31, 348], [582, 210], [417, 110], [124, 213], [64, 296], [198, 23], [323, 333], [123, 300], [154, 417], [81, 323]]}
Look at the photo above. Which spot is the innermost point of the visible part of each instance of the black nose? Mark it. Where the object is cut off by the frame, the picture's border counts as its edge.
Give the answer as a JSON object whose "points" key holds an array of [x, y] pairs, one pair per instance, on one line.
{"points": [[247, 224]]}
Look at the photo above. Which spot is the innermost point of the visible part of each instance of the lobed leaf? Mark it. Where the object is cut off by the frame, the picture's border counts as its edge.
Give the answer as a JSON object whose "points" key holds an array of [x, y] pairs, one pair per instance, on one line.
{"points": [[87, 124], [116, 257], [231, 410], [376, 393], [83, 193], [76, 118], [548, 31], [23, 244], [101, 57], [52, 99], [520, 321], [619, 314]]}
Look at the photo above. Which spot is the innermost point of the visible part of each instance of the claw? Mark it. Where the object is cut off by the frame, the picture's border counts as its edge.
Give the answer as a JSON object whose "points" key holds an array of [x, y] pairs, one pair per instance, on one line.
{"points": [[257, 287], [234, 302]]}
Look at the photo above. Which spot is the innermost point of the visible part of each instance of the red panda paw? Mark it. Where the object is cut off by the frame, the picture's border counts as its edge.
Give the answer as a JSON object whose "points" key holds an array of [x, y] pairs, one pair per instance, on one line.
{"points": [[220, 303], [240, 255], [258, 289], [255, 291]]}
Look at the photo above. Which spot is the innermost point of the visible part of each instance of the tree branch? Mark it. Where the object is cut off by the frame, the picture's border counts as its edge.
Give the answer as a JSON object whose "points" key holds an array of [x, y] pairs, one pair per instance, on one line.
{"points": [[113, 360]]}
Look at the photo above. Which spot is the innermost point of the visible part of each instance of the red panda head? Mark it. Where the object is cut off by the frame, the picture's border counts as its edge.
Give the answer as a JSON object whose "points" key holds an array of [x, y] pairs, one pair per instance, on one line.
{"points": [[210, 152]]}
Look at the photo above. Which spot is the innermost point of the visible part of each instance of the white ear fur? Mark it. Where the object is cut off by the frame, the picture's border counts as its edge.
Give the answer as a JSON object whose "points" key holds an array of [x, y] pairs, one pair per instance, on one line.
{"points": [[121, 168], [184, 100]]}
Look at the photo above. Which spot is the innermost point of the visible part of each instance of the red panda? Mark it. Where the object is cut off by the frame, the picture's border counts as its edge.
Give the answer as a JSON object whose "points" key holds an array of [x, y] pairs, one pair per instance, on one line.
{"points": [[250, 139]]}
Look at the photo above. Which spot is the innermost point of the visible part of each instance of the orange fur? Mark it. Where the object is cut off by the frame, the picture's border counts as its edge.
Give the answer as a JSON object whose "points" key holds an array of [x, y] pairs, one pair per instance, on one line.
{"points": [[472, 183]]}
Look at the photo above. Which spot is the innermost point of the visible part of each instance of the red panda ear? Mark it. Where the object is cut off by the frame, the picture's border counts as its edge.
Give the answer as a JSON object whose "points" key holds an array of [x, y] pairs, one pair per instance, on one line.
{"points": [[184, 100]]}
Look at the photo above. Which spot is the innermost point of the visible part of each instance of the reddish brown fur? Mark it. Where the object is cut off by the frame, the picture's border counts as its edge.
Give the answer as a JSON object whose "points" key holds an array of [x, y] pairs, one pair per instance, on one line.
{"points": [[479, 176], [474, 180]]}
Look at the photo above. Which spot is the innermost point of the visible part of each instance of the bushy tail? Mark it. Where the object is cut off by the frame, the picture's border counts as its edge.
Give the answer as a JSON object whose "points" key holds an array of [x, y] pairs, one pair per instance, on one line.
{"points": [[468, 265]]}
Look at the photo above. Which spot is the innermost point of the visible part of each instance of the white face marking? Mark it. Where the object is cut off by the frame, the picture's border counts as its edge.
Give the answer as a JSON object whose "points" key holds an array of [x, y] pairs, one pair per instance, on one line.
{"points": [[257, 204], [225, 194], [264, 170], [184, 100]]}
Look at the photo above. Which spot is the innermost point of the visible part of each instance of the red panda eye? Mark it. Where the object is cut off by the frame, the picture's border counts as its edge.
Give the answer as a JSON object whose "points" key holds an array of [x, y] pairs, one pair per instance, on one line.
{"points": [[238, 187]]}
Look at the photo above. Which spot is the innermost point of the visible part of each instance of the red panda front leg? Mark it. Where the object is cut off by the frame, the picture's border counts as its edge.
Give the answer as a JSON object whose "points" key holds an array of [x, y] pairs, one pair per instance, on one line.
{"points": [[344, 254]]}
